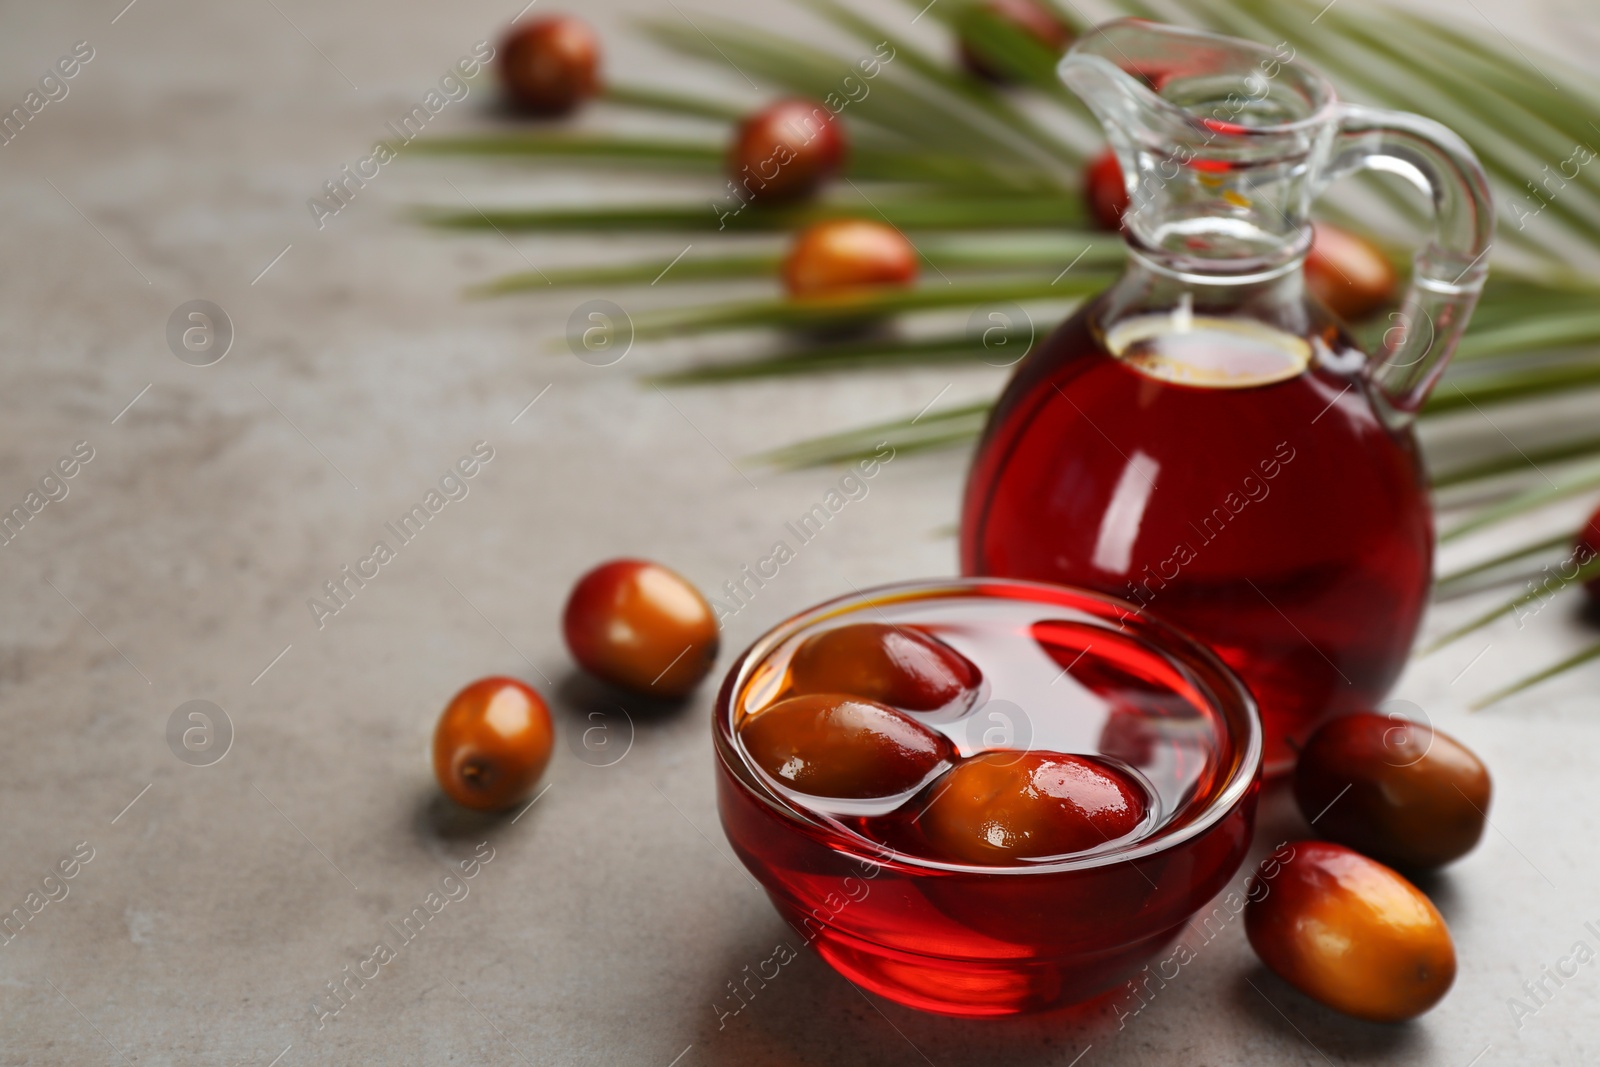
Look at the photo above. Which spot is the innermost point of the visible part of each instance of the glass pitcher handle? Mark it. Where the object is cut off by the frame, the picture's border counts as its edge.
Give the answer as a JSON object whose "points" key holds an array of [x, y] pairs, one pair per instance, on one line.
{"points": [[1448, 272]]}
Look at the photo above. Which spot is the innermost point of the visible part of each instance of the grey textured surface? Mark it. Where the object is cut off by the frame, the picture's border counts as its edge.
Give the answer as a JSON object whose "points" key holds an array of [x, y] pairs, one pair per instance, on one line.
{"points": [[606, 926]]}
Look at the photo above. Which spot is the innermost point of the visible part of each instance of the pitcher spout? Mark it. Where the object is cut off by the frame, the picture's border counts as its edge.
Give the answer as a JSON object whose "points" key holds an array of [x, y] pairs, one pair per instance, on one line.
{"points": [[1222, 142]]}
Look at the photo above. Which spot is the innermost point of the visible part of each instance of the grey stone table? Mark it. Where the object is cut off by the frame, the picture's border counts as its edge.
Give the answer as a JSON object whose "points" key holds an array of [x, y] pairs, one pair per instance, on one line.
{"points": [[209, 907]]}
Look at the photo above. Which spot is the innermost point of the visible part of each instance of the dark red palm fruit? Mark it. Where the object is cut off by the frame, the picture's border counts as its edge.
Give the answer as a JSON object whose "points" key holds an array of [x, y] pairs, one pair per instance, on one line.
{"points": [[1398, 791], [785, 151], [1105, 191], [833, 745], [551, 65], [1029, 16], [999, 808], [900, 666], [844, 255], [492, 743], [1348, 273], [641, 626], [1586, 550]]}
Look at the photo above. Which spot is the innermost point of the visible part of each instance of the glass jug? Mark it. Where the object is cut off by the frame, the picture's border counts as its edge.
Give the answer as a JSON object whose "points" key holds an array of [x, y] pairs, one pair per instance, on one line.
{"points": [[1204, 440]]}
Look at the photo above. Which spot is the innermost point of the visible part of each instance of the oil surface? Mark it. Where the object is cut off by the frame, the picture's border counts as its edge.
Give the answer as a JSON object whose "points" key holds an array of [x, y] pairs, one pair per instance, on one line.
{"points": [[1052, 680]]}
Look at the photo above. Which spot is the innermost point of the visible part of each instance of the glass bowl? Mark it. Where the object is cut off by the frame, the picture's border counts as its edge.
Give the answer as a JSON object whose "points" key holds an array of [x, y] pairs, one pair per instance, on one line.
{"points": [[1065, 670]]}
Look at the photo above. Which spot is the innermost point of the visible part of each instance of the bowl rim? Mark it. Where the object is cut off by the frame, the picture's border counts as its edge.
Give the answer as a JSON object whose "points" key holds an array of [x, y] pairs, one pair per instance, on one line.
{"points": [[1168, 639]]}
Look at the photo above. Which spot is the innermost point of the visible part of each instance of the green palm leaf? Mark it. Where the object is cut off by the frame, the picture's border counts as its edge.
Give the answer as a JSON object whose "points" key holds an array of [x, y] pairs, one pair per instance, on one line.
{"points": [[925, 66], [933, 429], [1579, 659], [1467, 578], [892, 101], [911, 211], [646, 98], [846, 308], [1553, 584], [871, 355], [985, 252], [1517, 462], [1581, 480], [867, 162]]}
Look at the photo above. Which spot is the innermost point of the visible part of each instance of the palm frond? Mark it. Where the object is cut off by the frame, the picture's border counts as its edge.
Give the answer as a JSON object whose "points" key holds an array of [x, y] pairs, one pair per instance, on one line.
{"points": [[866, 162], [823, 313], [893, 102], [1517, 461], [933, 71], [1581, 480], [908, 211], [1511, 385], [1588, 655], [646, 98], [1019, 254], [871, 355], [932, 429], [1552, 585], [1468, 578]]}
